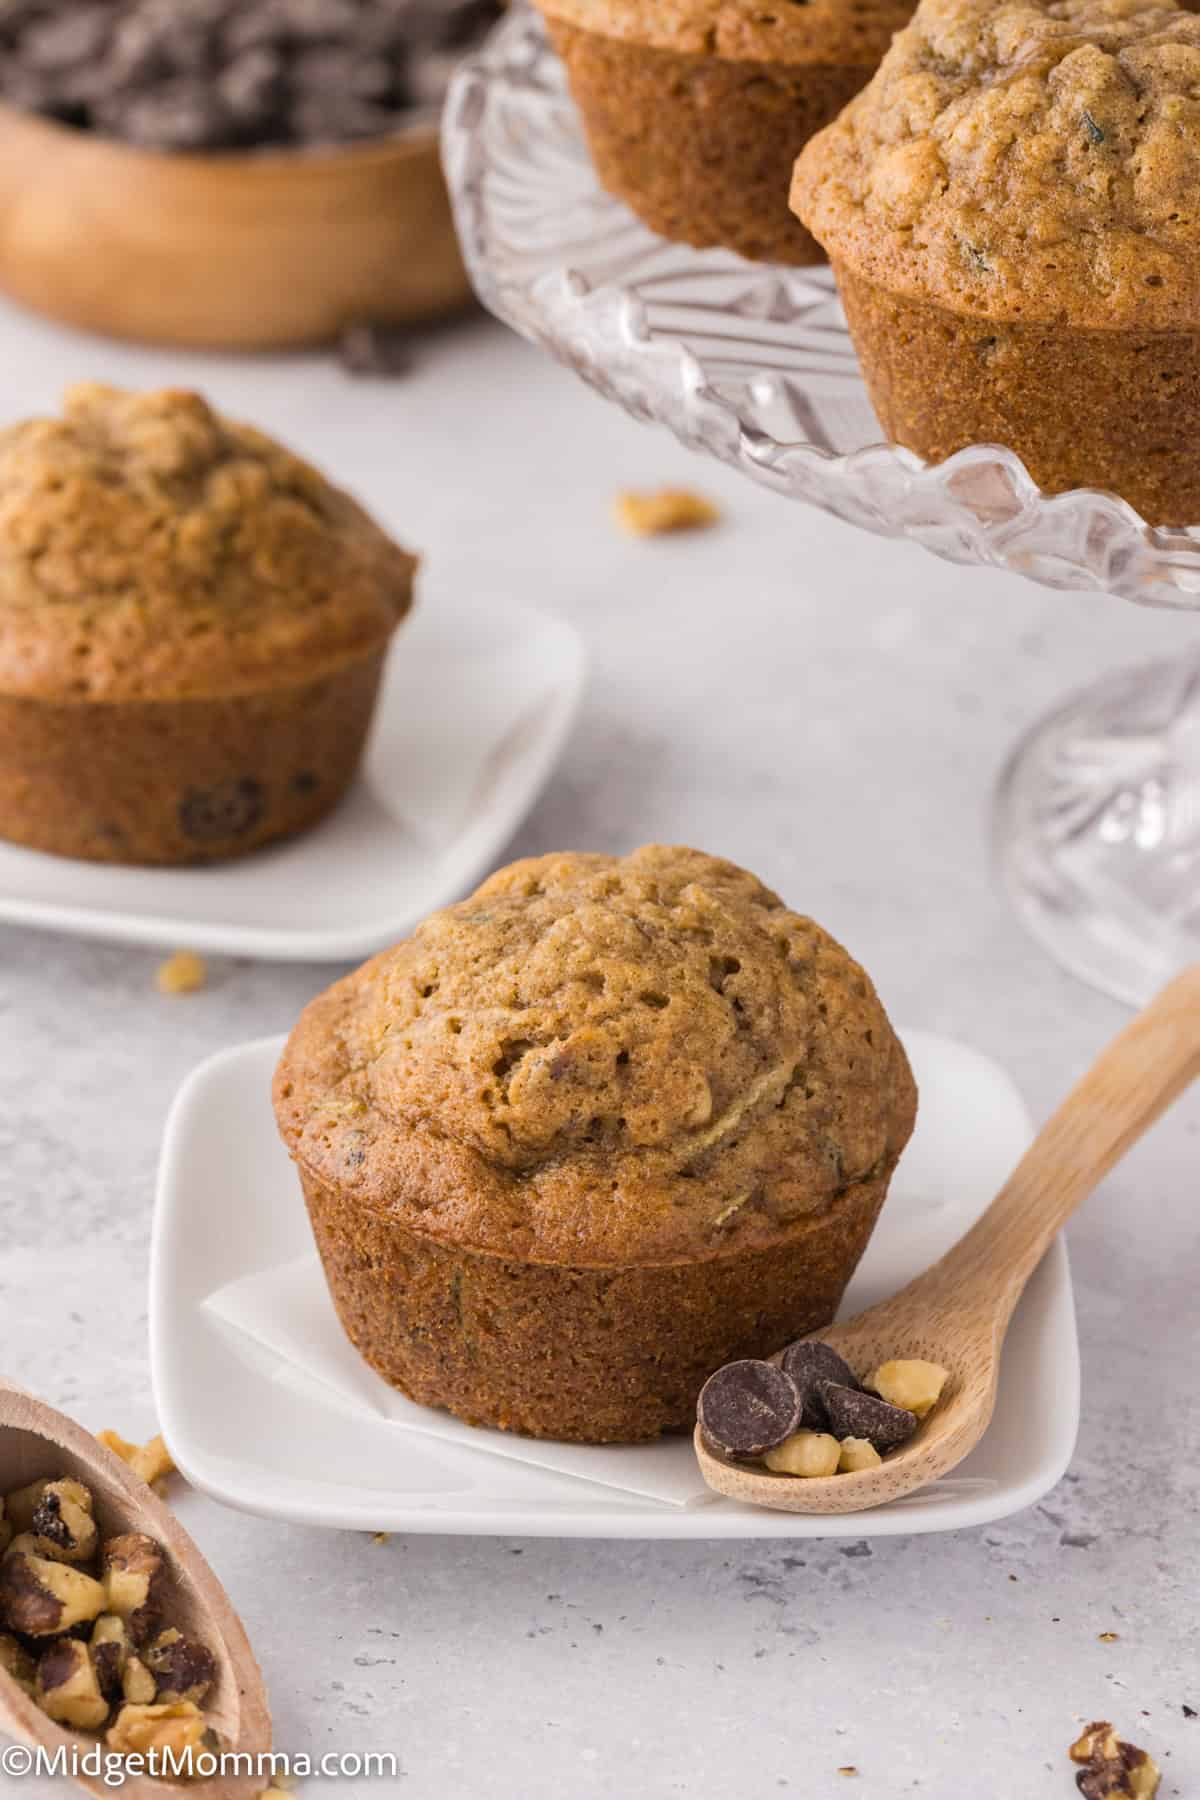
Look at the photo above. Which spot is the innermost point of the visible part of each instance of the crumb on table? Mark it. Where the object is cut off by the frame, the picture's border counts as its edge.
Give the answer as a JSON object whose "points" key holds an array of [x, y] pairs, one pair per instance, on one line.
{"points": [[1112, 1769], [182, 973], [670, 509], [152, 1461]]}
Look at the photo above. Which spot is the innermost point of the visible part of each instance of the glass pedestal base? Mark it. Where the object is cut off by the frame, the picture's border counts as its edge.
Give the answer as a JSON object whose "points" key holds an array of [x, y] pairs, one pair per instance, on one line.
{"points": [[1098, 829]]}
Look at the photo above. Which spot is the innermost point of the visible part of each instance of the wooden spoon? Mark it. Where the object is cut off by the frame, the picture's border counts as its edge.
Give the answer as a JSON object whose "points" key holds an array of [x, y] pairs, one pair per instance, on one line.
{"points": [[36, 1441], [957, 1313]]}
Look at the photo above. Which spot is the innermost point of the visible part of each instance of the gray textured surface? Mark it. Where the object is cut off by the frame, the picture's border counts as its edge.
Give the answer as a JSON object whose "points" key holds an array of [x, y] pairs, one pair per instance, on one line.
{"points": [[831, 710]]}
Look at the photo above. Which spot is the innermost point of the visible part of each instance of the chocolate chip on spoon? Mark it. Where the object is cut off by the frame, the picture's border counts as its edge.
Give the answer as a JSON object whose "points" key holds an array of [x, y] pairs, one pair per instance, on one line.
{"points": [[748, 1407], [810, 1365], [853, 1414]]}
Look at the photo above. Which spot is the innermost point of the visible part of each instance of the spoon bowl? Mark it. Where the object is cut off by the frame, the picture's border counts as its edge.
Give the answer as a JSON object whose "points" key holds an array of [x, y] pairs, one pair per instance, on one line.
{"points": [[957, 1312], [37, 1441], [939, 1444]]}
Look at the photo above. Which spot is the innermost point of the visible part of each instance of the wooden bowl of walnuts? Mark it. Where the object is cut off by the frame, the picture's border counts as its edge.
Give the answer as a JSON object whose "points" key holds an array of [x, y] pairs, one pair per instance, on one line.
{"points": [[250, 175]]}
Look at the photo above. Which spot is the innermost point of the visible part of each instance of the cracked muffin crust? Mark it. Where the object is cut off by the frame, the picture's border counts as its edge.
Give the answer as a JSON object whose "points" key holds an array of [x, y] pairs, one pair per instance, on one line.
{"points": [[1010, 208], [584, 1136], [695, 110], [192, 628]]}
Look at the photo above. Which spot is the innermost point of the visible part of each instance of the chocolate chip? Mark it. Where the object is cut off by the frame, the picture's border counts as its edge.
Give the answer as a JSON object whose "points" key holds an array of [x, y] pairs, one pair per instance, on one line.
{"points": [[429, 78], [78, 36], [331, 118], [107, 1659], [332, 70], [460, 24], [809, 1365], [184, 114], [369, 347], [852, 1413], [254, 87], [211, 815], [319, 21], [305, 782], [748, 1407]]}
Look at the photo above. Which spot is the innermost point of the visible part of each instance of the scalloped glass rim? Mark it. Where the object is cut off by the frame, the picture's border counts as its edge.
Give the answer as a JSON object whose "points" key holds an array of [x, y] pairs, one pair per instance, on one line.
{"points": [[748, 363]]}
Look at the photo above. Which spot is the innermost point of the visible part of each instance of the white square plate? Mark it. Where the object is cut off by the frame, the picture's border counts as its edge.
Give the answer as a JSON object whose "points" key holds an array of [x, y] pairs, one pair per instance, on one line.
{"points": [[246, 1431], [476, 705]]}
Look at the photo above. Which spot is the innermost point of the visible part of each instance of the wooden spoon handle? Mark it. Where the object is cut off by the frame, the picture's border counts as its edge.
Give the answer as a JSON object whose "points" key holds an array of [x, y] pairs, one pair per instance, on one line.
{"points": [[1133, 1081]]}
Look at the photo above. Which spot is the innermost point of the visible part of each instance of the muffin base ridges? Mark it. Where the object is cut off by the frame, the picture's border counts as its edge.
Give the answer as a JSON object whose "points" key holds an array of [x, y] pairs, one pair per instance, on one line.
{"points": [[181, 781], [584, 1355], [1117, 410], [702, 147]]}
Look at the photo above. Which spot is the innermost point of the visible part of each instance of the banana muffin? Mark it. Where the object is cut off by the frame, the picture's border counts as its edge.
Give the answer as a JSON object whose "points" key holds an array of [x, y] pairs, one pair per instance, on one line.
{"points": [[1010, 210], [588, 1135], [193, 626], [696, 110]]}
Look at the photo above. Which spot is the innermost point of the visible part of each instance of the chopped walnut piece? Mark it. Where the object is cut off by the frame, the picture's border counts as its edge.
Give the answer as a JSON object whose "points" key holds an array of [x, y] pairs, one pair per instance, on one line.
{"points": [[150, 1730], [670, 509], [138, 1685], [16, 1662], [132, 1570], [19, 1505], [182, 1669], [183, 973], [68, 1689], [805, 1453], [151, 1462], [1113, 1770], [909, 1382], [62, 1524], [857, 1454], [110, 1654], [40, 1598]]}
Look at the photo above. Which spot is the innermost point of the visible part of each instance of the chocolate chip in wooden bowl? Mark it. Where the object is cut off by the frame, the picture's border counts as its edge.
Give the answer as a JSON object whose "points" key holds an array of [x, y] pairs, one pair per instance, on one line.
{"points": [[180, 115], [853, 1414], [748, 1407], [253, 90], [809, 1365], [68, 39]]}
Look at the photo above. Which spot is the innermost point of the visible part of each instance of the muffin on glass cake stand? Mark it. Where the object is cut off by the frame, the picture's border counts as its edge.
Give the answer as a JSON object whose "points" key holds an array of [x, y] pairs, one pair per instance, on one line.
{"points": [[1099, 817]]}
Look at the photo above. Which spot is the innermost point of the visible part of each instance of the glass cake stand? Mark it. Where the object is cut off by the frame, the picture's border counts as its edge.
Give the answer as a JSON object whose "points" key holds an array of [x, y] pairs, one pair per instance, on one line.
{"points": [[1098, 820]]}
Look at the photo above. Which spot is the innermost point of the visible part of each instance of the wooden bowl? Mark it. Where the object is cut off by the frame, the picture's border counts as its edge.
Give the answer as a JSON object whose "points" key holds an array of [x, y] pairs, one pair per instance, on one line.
{"points": [[241, 250], [35, 1440]]}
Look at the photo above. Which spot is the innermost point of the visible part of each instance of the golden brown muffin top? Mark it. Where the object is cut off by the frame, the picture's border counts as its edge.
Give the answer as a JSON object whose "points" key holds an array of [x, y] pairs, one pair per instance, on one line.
{"points": [[1023, 159], [845, 32], [150, 548], [601, 1061]]}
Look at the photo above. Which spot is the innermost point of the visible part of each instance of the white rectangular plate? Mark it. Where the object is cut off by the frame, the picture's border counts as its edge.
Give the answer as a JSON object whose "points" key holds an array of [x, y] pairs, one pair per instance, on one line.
{"points": [[245, 1431], [476, 705]]}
